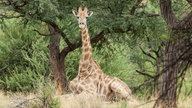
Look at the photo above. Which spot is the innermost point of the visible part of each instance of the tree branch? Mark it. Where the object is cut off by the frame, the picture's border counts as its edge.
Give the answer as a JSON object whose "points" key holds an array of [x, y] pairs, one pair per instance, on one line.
{"points": [[185, 23], [133, 9], [74, 46], [42, 33], [167, 13], [150, 62], [60, 31], [65, 38], [147, 54], [169, 17], [153, 15], [145, 74]]}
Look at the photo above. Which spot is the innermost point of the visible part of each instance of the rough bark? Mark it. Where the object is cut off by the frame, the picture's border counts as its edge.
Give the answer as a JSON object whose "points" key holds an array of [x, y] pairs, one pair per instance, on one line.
{"points": [[176, 50], [170, 70], [57, 65]]}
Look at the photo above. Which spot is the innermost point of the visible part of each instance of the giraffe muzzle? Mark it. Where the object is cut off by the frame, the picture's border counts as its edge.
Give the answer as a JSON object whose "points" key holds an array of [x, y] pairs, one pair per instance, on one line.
{"points": [[82, 25]]}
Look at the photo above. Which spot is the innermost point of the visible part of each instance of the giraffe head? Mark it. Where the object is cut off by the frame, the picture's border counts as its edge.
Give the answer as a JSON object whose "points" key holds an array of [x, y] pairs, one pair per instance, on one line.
{"points": [[82, 15]]}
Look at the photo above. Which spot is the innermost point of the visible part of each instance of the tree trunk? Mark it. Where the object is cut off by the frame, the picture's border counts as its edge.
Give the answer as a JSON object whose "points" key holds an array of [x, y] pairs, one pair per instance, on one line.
{"points": [[168, 94], [177, 53], [57, 64]]}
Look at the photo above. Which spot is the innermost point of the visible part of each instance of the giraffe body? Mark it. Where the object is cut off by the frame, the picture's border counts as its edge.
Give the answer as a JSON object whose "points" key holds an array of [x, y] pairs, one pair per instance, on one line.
{"points": [[90, 79]]}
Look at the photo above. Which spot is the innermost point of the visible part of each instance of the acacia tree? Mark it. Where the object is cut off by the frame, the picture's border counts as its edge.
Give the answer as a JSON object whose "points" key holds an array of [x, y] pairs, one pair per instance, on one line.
{"points": [[57, 16], [177, 54], [32, 11], [118, 19]]}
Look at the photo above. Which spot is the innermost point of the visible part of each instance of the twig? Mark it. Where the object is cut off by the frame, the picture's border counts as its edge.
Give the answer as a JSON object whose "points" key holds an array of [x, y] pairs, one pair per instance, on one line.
{"points": [[147, 54], [42, 33], [145, 74]]}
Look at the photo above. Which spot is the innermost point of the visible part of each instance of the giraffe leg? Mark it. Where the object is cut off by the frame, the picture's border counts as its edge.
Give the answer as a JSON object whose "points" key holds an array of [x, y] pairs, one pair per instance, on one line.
{"points": [[120, 89]]}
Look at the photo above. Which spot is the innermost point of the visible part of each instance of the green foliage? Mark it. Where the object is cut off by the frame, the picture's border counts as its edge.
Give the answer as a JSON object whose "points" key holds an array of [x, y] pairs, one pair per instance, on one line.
{"points": [[24, 55], [24, 58], [72, 63], [186, 89]]}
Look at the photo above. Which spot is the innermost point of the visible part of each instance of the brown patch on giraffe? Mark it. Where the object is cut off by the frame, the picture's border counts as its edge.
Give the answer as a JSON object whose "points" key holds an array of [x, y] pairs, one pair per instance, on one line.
{"points": [[86, 49], [84, 38], [86, 56], [84, 74], [95, 82], [87, 81], [94, 76], [91, 91], [83, 83], [100, 78], [101, 86], [80, 88], [104, 91], [85, 44], [92, 86], [86, 86], [84, 65], [72, 87], [84, 32], [99, 71], [89, 68], [106, 80]]}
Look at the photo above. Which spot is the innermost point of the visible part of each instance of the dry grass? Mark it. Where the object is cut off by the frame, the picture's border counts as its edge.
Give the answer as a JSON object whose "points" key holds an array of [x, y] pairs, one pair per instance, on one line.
{"points": [[185, 102], [10, 100], [85, 102], [66, 101], [4, 100]]}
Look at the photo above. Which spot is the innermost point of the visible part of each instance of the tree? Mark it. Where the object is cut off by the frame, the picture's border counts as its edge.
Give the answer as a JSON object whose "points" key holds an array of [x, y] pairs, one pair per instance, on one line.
{"points": [[177, 54], [125, 21], [32, 11]]}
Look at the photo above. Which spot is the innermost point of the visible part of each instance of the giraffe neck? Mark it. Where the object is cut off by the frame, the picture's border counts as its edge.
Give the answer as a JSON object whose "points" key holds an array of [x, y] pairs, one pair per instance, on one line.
{"points": [[86, 44], [86, 54]]}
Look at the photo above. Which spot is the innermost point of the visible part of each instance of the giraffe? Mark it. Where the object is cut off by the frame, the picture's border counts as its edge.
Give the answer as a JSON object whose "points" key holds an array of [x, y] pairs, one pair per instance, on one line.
{"points": [[91, 80]]}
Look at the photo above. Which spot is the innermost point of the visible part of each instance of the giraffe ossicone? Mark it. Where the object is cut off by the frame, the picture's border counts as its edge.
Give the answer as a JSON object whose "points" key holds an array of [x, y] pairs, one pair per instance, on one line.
{"points": [[91, 80]]}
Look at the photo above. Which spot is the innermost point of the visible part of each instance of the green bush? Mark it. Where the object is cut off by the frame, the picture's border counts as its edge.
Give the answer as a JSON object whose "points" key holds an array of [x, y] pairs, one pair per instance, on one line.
{"points": [[24, 57]]}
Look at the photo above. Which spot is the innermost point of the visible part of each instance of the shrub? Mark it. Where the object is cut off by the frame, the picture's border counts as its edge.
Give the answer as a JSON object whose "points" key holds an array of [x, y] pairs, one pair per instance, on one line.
{"points": [[24, 58]]}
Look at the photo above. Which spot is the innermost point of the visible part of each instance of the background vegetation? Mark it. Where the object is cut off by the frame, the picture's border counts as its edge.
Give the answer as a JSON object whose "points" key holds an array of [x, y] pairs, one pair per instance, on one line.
{"points": [[130, 28]]}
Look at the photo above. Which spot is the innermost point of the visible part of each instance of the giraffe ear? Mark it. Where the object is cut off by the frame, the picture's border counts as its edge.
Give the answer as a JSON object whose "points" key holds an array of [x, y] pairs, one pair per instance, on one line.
{"points": [[75, 13], [89, 13]]}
